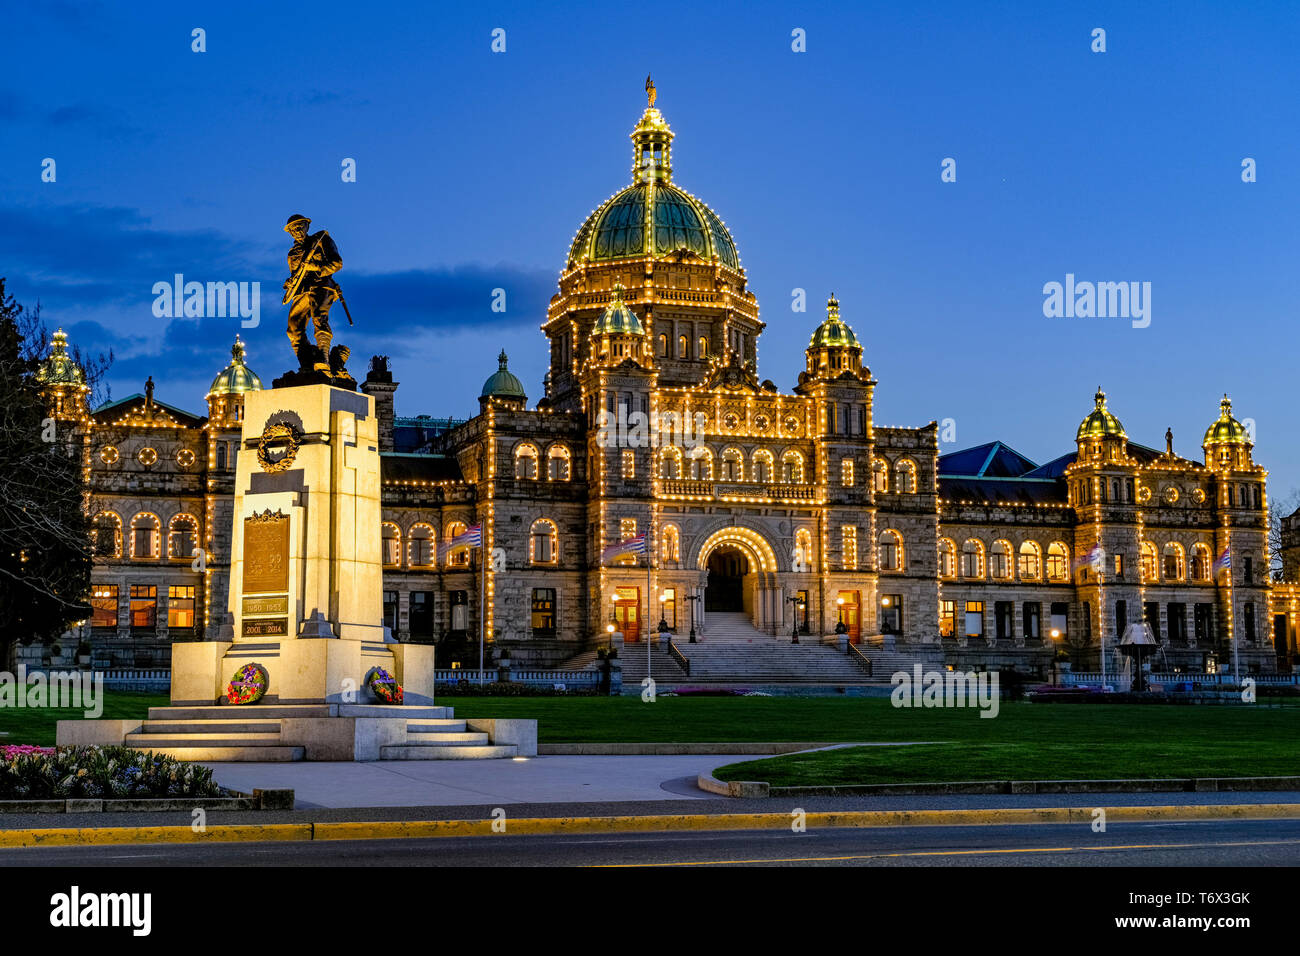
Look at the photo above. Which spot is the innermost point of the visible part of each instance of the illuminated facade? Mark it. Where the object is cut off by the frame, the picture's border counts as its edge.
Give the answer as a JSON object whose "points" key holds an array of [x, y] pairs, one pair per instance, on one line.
{"points": [[796, 508]]}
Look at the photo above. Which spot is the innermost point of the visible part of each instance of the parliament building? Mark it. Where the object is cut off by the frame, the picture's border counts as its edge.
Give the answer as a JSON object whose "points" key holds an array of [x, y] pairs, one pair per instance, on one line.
{"points": [[797, 509]]}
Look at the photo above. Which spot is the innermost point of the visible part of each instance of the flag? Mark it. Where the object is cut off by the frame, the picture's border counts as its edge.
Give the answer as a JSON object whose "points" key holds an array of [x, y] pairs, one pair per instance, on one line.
{"points": [[469, 538], [1224, 560], [630, 546], [1092, 558]]}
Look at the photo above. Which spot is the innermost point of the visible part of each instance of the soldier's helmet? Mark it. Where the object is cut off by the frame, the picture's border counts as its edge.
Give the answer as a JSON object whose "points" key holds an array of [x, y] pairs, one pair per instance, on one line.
{"points": [[296, 218]]}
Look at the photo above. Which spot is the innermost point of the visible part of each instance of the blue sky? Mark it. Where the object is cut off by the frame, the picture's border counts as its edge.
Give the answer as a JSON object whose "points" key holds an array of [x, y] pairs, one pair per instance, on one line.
{"points": [[474, 170]]}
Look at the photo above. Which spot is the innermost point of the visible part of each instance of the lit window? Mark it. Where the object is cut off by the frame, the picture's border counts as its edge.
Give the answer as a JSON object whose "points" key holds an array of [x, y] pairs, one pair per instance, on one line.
{"points": [[392, 545], [1030, 559], [181, 537], [947, 558], [629, 463], [972, 559], [180, 606], [557, 463], [846, 472], [542, 542], [1000, 560], [1057, 559], [849, 547], [421, 544], [905, 477], [891, 551], [526, 462]]}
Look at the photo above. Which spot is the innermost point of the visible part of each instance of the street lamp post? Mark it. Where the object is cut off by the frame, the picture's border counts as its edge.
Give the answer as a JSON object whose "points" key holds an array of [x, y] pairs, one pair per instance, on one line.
{"points": [[692, 598], [839, 626], [798, 604]]}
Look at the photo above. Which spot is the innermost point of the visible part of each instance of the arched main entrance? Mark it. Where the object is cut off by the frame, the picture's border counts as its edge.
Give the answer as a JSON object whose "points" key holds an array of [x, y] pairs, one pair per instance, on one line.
{"points": [[727, 567]]}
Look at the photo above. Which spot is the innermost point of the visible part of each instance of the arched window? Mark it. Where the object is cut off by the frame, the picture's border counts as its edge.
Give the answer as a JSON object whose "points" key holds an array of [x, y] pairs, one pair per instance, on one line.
{"points": [[391, 545], [458, 558], [880, 476], [891, 551], [733, 465], [792, 467], [543, 542], [702, 348], [683, 349], [1148, 565], [421, 546], [557, 463], [1000, 560], [526, 461], [146, 532], [972, 559], [671, 544], [670, 462], [182, 537], [1175, 562], [846, 472], [905, 477], [947, 558], [764, 468], [1031, 557], [701, 461], [663, 344], [803, 550], [1058, 560], [108, 535], [1200, 562], [221, 456]]}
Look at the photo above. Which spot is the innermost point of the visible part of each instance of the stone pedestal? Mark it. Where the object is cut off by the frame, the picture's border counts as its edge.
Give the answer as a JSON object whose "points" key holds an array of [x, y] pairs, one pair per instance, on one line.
{"points": [[306, 581]]}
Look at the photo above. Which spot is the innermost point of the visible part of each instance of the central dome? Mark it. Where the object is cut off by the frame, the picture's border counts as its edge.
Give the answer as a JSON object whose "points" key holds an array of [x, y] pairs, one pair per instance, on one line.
{"points": [[652, 217]]}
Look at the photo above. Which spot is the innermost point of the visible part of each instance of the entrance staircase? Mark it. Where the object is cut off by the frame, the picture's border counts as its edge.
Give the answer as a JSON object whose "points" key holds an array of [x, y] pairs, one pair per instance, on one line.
{"points": [[730, 649], [254, 732]]}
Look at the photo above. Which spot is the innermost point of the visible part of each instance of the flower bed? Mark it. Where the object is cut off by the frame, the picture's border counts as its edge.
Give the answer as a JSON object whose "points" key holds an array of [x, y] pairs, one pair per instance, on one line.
{"points": [[38, 773]]}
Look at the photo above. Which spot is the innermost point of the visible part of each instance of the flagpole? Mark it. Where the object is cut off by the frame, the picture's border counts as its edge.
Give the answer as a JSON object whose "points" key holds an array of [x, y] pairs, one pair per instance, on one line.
{"points": [[482, 608], [645, 623]]}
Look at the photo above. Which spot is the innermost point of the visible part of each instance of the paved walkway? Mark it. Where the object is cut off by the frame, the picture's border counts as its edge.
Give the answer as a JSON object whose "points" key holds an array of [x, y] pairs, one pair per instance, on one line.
{"points": [[410, 783]]}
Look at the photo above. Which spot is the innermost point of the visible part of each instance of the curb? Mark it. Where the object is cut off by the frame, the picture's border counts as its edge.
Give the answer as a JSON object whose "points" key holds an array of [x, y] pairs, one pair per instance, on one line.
{"points": [[760, 788], [421, 829], [258, 800]]}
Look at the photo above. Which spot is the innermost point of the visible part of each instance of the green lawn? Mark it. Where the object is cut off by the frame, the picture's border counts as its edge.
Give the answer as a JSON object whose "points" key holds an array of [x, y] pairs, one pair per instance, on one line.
{"points": [[1025, 741], [25, 726]]}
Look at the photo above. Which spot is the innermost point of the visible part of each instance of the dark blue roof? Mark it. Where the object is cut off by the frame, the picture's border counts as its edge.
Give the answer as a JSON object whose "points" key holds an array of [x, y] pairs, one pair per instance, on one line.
{"points": [[990, 460]]}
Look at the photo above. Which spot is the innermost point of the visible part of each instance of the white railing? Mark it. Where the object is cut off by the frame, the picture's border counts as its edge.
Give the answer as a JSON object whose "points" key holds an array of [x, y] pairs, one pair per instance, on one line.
{"points": [[1095, 677]]}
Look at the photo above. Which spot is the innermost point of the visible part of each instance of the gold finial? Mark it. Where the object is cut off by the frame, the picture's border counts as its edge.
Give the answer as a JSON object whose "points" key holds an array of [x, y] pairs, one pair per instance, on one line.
{"points": [[650, 92]]}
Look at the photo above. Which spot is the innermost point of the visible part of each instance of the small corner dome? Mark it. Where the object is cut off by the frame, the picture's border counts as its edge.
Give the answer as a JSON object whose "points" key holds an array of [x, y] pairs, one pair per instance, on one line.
{"points": [[1226, 430], [59, 368], [503, 383], [834, 332], [618, 319], [236, 378], [1100, 423]]}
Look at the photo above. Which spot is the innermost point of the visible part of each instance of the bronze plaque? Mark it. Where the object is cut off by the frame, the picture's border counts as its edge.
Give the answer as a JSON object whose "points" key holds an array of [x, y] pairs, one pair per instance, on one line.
{"points": [[277, 627], [266, 553], [263, 606]]}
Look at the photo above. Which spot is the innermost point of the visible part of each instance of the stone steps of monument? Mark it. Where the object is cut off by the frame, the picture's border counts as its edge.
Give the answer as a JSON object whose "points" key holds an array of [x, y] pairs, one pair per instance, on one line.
{"points": [[435, 726], [157, 741], [426, 752], [167, 727], [428, 739], [280, 711], [215, 754]]}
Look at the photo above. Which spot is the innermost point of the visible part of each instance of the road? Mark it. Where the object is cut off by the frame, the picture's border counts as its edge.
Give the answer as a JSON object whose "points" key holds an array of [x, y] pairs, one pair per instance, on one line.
{"points": [[1208, 843]]}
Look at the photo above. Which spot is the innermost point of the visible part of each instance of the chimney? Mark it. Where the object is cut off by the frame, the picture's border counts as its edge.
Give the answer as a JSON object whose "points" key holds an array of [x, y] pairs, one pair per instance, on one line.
{"points": [[379, 385]]}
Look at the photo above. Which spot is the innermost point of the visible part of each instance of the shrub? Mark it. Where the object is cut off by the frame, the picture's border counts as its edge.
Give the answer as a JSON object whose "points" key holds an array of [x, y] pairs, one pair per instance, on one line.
{"points": [[38, 773]]}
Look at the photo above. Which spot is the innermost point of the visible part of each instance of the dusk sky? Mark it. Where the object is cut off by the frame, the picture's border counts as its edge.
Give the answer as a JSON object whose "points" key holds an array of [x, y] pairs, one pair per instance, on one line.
{"points": [[475, 168]]}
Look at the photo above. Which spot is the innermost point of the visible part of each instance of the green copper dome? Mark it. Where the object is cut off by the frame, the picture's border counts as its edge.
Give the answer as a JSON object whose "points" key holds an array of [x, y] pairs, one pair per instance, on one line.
{"points": [[502, 383], [677, 221], [1227, 430], [1100, 423], [833, 332], [618, 319], [236, 378], [59, 368]]}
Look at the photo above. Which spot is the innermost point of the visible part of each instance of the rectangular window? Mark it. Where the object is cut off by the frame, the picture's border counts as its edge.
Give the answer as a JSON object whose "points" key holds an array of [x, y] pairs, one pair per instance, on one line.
{"points": [[629, 463], [668, 607], [390, 610], [144, 607], [543, 610], [801, 611], [1031, 621], [947, 618], [1203, 617], [1249, 570], [180, 606], [542, 553], [421, 614], [1002, 612], [1177, 614], [1248, 620], [103, 602], [1119, 567], [846, 472], [459, 601], [1150, 614], [891, 614], [974, 618], [1060, 616], [849, 546]]}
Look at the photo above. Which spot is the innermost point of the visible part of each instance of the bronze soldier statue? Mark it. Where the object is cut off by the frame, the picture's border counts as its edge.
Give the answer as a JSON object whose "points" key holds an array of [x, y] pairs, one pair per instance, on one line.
{"points": [[310, 291]]}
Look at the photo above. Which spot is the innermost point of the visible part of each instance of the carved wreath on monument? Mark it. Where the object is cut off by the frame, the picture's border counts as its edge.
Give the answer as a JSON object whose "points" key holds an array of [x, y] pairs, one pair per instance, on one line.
{"points": [[278, 436]]}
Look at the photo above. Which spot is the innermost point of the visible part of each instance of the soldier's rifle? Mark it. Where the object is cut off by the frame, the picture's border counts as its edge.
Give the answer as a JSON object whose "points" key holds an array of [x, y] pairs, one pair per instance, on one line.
{"points": [[296, 279]]}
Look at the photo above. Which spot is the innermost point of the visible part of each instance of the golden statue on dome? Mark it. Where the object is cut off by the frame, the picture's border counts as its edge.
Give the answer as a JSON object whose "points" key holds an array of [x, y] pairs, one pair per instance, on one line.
{"points": [[650, 91]]}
